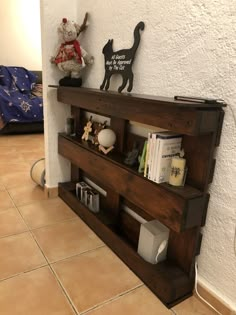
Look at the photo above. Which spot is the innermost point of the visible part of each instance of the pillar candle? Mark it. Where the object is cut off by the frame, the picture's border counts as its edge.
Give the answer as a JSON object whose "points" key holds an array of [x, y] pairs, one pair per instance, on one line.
{"points": [[177, 171]]}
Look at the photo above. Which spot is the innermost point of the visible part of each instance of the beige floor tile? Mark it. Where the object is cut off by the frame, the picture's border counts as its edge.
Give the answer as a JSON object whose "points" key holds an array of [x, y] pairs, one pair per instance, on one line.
{"points": [[2, 188], [11, 223], [140, 301], [9, 168], [5, 201], [66, 239], [33, 155], [19, 253], [11, 156], [23, 195], [194, 307], [46, 212], [17, 179], [94, 277], [34, 293], [30, 140]]}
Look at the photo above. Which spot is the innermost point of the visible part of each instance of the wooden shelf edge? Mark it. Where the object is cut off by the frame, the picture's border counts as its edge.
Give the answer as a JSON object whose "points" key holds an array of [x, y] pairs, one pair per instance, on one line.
{"points": [[160, 111], [166, 280], [159, 100]]}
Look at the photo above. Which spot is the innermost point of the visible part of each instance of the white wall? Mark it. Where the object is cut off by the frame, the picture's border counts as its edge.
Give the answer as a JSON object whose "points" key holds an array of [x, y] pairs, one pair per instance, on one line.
{"points": [[187, 47], [52, 12], [20, 35]]}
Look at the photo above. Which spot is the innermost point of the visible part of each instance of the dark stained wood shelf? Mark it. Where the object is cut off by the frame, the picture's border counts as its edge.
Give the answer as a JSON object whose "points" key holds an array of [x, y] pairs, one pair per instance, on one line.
{"points": [[177, 208], [187, 117], [182, 209]]}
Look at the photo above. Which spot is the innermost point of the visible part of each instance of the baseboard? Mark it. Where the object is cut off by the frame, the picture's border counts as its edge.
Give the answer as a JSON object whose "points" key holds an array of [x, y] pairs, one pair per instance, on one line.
{"points": [[50, 192], [214, 300]]}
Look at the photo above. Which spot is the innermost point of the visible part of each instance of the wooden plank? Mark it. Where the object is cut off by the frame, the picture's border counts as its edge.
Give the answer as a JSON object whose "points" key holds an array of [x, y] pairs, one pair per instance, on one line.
{"points": [[165, 113], [75, 173], [76, 114], [143, 98], [129, 228], [167, 281], [183, 248], [204, 214], [119, 127], [199, 152], [169, 205], [219, 127]]}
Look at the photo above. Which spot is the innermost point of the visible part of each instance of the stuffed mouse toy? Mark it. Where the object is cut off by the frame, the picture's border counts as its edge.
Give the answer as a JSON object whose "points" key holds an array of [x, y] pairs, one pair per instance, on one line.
{"points": [[71, 58]]}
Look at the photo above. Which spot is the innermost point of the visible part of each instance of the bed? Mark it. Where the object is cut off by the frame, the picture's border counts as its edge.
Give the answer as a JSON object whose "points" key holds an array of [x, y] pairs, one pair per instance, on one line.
{"points": [[21, 103]]}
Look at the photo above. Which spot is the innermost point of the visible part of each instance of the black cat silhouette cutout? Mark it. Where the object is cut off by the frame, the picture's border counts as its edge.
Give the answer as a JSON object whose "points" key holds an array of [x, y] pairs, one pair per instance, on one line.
{"points": [[121, 61]]}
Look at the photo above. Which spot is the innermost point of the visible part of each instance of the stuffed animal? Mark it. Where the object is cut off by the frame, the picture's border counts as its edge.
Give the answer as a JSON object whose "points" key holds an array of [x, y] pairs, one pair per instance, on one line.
{"points": [[71, 58]]}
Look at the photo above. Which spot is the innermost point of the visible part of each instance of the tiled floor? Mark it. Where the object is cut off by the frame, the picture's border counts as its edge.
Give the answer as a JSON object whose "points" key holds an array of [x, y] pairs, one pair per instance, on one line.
{"points": [[51, 263]]}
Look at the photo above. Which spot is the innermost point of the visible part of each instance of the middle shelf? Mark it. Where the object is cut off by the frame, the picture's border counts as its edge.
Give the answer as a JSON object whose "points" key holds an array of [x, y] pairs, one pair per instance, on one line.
{"points": [[178, 208]]}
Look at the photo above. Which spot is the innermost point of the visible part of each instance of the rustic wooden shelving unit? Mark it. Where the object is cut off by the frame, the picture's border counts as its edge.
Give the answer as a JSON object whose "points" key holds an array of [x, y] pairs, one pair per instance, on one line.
{"points": [[182, 210]]}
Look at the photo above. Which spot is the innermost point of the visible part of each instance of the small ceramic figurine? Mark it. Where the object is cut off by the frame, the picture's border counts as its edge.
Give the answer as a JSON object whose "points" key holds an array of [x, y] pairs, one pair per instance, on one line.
{"points": [[97, 129], [87, 129], [132, 156]]}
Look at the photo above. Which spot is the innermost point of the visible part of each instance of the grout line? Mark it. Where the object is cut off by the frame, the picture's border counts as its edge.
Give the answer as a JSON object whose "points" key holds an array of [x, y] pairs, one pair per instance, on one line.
{"points": [[78, 254], [114, 298], [18, 210], [14, 234], [22, 273], [52, 224], [64, 291]]}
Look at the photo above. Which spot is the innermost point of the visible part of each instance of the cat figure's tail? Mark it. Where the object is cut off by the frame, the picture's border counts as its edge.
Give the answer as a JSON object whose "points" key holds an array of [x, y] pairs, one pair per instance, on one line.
{"points": [[139, 27]]}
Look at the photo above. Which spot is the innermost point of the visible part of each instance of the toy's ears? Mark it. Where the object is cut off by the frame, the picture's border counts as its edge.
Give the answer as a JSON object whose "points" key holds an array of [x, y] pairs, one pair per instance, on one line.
{"points": [[77, 27], [60, 28]]}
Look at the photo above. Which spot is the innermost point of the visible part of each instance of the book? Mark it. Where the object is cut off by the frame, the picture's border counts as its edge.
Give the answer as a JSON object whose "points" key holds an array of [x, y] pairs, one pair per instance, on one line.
{"points": [[152, 154], [143, 158], [155, 148], [169, 146], [146, 161], [148, 156]]}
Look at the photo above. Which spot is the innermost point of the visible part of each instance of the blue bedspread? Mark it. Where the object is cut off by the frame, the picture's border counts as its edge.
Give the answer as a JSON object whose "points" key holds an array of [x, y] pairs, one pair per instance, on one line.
{"points": [[17, 103]]}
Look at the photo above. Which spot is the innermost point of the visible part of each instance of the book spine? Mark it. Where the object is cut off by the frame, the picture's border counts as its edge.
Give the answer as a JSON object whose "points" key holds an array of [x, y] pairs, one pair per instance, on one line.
{"points": [[153, 140], [143, 158], [149, 162], [155, 157], [146, 161]]}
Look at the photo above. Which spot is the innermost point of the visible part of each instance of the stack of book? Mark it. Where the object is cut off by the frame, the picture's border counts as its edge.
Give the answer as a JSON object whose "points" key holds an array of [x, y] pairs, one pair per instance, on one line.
{"points": [[161, 148]]}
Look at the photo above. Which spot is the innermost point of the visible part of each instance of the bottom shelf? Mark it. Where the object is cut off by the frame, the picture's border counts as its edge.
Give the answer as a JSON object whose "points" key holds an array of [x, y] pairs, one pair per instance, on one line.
{"points": [[164, 279]]}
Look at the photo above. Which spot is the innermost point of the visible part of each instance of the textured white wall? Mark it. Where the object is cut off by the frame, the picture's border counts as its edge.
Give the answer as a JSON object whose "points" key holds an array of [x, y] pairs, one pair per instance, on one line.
{"points": [[55, 113], [20, 35], [187, 47]]}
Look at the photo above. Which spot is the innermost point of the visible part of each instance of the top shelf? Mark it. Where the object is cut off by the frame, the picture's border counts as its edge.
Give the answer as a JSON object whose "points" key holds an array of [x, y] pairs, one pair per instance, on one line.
{"points": [[186, 117], [158, 100]]}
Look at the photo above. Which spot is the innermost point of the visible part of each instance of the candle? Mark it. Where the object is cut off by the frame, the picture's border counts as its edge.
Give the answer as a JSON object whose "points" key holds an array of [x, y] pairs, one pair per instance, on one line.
{"points": [[177, 171]]}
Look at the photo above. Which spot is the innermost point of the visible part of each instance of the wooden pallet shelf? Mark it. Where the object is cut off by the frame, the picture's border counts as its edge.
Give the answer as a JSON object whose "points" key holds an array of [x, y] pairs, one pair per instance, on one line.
{"points": [[183, 209]]}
